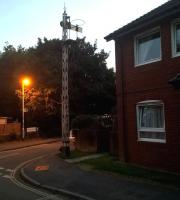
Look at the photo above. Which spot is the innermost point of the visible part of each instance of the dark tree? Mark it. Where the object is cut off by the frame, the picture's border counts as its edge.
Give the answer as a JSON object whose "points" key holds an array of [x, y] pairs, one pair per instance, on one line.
{"points": [[91, 83]]}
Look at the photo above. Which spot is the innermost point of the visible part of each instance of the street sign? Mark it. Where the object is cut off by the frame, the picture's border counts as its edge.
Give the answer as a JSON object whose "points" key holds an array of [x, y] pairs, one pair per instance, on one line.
{"points": [[25, 109]]}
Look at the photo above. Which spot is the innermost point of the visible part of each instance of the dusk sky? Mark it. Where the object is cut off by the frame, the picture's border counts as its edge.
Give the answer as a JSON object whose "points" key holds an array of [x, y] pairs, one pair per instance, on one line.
{"points": [[23, 21]]}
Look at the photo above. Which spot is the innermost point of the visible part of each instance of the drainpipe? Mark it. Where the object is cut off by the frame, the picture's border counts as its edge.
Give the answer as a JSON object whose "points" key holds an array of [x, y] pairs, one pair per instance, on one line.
{"points": [[122, 138]]}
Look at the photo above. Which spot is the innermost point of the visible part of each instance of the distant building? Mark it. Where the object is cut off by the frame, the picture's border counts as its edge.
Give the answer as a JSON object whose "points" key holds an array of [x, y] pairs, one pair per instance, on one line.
{"points": [[147, 83]]}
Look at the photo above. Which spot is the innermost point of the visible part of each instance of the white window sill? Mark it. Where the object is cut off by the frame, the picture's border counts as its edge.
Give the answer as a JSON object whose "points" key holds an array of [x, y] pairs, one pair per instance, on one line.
{"points": [[148, 62], [175, 55], [151, 130], [152, 140]]}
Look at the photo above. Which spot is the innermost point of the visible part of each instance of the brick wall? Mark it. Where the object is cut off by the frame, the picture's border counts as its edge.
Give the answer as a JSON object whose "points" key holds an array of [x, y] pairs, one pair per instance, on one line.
{"points": [[148, 82], [10, 129]]}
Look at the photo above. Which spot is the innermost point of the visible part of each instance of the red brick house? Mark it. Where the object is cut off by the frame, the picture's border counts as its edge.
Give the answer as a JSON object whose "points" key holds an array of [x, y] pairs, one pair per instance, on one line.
{"points": [[147, 82]]}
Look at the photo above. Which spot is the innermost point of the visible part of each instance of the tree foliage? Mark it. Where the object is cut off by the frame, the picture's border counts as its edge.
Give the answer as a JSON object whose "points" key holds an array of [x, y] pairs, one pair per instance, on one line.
{"points": [[91, 83], [39, 100]]}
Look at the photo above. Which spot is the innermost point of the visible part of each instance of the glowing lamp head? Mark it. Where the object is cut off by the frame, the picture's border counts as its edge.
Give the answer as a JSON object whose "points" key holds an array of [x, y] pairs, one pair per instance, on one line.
{"points": [[26, 81]]}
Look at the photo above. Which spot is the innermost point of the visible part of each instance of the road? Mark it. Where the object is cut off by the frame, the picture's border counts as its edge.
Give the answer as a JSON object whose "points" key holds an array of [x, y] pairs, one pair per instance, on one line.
{"points": [[10, 161]]}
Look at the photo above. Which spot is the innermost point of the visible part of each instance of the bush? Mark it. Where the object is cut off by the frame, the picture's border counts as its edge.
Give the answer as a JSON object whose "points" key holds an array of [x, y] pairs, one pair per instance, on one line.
{"points": [[84, 121]]}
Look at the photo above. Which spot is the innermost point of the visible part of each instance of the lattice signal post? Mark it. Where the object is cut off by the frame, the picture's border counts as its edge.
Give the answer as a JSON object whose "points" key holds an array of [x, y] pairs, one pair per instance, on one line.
{"points": [[66, 25]]}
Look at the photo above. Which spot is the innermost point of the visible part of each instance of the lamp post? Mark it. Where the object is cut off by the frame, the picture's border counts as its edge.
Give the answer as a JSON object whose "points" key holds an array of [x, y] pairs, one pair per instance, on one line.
{"points": [[25, 82]]}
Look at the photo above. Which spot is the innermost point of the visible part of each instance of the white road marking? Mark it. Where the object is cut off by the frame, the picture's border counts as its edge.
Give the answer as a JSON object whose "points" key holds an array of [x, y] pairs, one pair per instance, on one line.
{"points": [[4, 171], [7, 176], [9, 155], [9, 170], [18, 183], [43, 195]]}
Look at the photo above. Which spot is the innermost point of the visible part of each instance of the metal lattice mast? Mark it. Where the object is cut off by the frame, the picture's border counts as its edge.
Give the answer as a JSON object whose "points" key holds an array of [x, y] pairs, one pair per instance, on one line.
{"points": [[66, 25], [65, 94]]}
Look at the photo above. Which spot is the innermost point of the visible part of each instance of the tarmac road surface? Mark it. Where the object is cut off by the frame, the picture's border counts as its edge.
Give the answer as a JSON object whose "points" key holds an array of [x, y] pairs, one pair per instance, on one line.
{"points": [[10, 187]]}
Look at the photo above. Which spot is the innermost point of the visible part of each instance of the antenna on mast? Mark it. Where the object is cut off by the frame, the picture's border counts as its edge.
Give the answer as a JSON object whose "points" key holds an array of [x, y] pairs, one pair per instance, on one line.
{"points": [[64, 7]]}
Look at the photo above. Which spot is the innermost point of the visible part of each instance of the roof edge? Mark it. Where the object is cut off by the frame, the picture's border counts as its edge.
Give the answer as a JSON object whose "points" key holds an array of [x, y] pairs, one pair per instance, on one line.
{"points": [[158, 13]]}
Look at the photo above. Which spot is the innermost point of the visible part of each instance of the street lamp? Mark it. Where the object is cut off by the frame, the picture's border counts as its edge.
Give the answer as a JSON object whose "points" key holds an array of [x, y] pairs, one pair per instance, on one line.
{"points": [[25, 82]]}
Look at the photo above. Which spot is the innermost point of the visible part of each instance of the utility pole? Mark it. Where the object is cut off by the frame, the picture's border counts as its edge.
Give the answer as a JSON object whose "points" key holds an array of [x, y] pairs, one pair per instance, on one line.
{"points": [[66, 25]]}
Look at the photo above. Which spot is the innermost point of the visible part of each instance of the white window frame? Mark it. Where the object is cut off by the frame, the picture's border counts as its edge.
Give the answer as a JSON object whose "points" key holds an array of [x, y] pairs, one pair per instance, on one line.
{"points": [[173, 37], [145, 34], [139, 129]]}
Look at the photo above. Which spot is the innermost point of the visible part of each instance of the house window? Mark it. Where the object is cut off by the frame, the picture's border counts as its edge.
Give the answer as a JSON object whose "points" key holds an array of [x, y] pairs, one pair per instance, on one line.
{"points": [[148, 47], [150, 121], [176, 38]]}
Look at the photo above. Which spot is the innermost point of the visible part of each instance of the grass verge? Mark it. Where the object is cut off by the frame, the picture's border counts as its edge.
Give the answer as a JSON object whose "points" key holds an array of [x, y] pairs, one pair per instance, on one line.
{"points": [[108, 163]]}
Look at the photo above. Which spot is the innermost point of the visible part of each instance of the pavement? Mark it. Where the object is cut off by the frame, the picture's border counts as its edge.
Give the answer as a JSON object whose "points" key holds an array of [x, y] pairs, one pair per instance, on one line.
{"points": [[58, 175], [17, 144], [68, 178]]}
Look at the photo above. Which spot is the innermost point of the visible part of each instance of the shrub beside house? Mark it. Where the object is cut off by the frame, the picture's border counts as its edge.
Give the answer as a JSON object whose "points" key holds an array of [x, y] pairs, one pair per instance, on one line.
{"points": [[92, 133]]}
